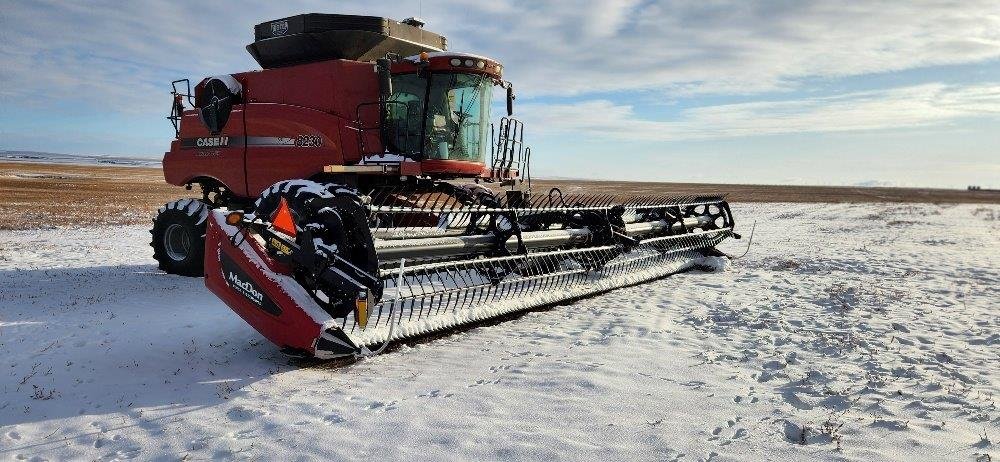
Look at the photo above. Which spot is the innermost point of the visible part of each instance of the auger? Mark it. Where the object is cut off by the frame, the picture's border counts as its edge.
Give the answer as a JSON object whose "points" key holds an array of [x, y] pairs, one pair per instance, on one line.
{"points": [[347, 139]]}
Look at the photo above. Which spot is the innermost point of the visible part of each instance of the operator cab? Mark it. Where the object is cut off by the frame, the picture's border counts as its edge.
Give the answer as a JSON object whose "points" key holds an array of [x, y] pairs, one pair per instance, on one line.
{"points": [[439, 108]]}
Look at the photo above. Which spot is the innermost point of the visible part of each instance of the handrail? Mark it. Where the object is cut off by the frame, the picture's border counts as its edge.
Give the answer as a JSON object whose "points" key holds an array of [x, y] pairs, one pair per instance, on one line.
{"points": [[509, 153], [177, 104]]}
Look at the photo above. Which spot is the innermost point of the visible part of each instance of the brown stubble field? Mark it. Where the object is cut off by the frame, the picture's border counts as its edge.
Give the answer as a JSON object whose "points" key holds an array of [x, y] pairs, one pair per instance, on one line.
{"points": [[38, 195]]}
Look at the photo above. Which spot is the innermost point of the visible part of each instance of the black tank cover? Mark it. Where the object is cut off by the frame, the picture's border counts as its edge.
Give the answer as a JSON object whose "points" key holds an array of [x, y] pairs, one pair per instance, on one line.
{"points": [[314, 37]]}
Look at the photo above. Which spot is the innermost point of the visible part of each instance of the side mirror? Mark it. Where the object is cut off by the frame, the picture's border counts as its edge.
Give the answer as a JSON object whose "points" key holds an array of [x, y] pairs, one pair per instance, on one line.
{"points": [[510, 100], [383, 68]]}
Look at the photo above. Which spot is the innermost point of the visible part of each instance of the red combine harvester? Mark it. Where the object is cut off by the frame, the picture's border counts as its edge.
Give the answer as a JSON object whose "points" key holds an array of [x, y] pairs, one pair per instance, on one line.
{"points": [[328, 220]]}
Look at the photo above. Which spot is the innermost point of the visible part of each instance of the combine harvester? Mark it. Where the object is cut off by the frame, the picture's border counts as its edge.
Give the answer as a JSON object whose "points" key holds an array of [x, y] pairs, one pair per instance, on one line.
{"points": [[327, 220]]}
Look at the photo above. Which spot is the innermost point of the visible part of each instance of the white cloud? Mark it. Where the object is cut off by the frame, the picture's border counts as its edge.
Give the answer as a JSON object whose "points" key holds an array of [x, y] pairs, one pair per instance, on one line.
{"points": [[907, 107], [567, 47], [121, 55]]}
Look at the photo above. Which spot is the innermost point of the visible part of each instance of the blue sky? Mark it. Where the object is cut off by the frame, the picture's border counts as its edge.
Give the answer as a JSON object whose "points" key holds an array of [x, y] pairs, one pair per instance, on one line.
{"points": [[795, 92]]}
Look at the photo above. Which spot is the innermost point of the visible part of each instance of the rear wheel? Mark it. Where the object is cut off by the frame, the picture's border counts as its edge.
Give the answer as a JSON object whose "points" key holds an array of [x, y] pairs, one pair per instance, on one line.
{"points": [[179, 237]]}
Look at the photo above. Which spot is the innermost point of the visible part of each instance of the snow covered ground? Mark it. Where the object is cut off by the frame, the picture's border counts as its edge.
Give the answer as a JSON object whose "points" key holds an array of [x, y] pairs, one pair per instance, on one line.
{"points": [[850, 332]]}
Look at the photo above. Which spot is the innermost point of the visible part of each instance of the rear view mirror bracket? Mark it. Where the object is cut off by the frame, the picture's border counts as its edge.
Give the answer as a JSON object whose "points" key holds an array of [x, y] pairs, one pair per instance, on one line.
{"points": [[383, 68], [510, 99]]}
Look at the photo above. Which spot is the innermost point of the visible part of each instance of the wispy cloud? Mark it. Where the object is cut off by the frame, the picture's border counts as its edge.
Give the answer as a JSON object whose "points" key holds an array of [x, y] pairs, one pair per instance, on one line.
{"points": [[566, 47], [907, 107], [120, 54]]}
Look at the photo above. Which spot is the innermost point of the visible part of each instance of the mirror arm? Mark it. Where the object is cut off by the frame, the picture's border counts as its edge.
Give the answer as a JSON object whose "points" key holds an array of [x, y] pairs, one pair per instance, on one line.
{"points": [[383, 67], [510, 98]]}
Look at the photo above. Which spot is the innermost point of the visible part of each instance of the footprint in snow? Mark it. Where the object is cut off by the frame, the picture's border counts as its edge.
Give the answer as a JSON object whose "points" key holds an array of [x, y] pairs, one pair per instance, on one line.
{"points": [[333, 419], [242, 414], [123, 454], [244, 434], [435, 394], [693, 384], [482, 382], [99, 425], [374, 405], [739, 434], [720, 433], [198, 444]]}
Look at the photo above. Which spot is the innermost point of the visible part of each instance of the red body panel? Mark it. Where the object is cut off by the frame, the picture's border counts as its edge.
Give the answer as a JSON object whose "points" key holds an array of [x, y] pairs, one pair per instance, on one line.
{"points": [[296, 120], [285, 141], [182, 165], [335, 87], [453, 167], [293, 121]]}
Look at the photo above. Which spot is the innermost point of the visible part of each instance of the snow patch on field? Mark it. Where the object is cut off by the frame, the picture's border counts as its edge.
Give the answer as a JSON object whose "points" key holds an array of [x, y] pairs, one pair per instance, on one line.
{"points": [[850, 332]]}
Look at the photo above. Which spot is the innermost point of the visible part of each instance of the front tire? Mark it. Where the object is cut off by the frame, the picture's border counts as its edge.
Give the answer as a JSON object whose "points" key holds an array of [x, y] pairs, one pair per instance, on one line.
{"points": [[339, 227], [179, 237]]}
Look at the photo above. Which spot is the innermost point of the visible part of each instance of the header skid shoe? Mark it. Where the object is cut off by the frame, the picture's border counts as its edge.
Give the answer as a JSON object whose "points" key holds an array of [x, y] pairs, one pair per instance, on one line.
{"points": [[330, 289]]}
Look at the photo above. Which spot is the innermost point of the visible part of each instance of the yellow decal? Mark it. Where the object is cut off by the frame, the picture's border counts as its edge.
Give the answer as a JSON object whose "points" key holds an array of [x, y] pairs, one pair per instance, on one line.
{"points": [[281, 247]]}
